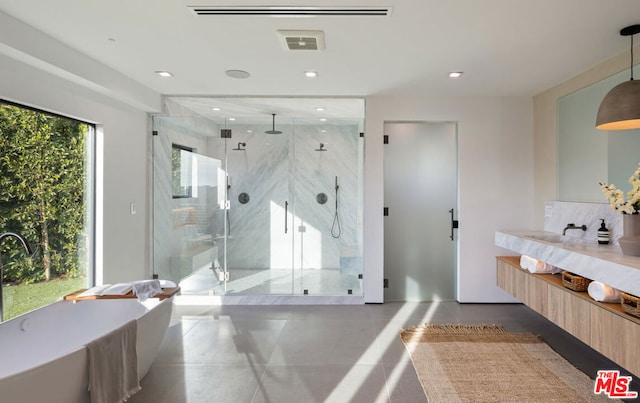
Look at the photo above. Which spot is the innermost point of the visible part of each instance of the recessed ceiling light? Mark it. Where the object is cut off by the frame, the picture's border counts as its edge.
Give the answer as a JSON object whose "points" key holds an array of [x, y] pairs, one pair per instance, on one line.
{"points": [[311, 74], [163, 73], [320, 109], [323, 131], [215, 108], [455, 74], [237, 73], [323, 119], [249, 131], [232, 119]]}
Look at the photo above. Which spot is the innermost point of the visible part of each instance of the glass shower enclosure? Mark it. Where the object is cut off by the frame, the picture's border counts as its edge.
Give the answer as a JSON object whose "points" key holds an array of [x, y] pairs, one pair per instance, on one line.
{"points": [[248, 201]]}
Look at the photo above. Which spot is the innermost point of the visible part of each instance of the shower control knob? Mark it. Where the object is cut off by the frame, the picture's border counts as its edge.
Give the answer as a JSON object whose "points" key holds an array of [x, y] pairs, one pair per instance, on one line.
{"points": [[321, 198], [243, 198]]}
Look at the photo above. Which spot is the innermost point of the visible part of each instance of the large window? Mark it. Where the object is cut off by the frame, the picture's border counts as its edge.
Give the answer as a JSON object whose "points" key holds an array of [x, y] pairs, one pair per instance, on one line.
{"points": [[46, 195], [182, 171]]}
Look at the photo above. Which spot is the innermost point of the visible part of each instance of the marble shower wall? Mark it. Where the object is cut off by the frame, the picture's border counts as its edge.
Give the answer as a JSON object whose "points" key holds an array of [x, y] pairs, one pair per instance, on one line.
{"points": [[286, 171], [558, 214]]}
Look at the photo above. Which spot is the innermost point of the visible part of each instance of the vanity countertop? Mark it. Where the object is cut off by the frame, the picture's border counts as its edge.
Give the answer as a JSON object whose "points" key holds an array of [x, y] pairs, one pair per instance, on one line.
{"points": [[603, 263]]}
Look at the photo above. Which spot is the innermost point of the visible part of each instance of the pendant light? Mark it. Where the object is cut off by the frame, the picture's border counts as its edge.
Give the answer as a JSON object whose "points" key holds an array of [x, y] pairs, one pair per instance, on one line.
{"points": [[620, 108]]}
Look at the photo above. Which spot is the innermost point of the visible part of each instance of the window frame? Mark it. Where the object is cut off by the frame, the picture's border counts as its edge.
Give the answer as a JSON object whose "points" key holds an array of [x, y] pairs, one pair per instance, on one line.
{"points": [[90, 206], [188, 193]]}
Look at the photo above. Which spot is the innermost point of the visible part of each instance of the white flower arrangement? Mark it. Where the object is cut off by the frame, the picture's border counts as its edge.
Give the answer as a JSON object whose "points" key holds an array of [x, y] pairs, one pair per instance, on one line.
{"points": [[616, 196]]}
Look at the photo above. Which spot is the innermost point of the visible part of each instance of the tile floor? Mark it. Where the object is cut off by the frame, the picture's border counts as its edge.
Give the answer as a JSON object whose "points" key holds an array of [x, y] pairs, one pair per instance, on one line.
{"points": [[338, 353]]}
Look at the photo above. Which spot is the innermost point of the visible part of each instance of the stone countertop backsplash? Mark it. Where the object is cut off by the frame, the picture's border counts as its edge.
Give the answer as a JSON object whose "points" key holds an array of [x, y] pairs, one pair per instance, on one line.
{"points": [[559, 214]]}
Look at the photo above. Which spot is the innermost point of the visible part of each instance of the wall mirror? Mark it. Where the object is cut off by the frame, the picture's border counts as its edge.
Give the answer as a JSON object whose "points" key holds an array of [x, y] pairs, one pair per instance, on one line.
{"points": [[587, 156]]}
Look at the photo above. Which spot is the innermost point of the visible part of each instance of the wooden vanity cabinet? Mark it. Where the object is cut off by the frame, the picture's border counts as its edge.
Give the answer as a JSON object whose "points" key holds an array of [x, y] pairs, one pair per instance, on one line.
{"points": [[603, 326]]}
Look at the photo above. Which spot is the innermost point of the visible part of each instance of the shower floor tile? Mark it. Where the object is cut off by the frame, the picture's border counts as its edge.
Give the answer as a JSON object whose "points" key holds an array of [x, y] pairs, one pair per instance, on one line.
{"points": [[272, 282]]}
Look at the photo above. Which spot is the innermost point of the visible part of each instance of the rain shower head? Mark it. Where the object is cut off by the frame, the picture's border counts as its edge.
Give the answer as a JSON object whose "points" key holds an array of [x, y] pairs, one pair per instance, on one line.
{"points": [[241, 147], [273, 128], [321, 147]]}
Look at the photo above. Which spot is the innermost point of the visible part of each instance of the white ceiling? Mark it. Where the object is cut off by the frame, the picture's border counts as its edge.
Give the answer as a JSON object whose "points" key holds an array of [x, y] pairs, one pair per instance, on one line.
{"points": [[504, 47]]}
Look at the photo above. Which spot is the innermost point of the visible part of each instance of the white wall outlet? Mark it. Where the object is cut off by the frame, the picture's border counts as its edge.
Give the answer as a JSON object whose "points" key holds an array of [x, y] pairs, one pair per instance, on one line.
{"points": [[132, 208], [548, 211]]}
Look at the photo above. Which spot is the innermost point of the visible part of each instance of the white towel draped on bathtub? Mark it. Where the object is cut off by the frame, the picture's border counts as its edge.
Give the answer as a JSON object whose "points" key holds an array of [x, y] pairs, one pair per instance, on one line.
{"points": [[144, 289], [536, 266], [602, 292], [113, 365]]}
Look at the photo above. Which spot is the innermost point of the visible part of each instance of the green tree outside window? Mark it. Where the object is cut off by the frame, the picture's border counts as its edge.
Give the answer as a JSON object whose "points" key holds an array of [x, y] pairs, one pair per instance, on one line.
{"points": [[43, 196]]}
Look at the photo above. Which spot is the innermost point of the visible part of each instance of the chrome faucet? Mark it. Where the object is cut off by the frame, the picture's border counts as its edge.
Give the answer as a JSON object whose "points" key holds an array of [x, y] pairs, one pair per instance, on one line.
{"points": [[27, 247], [573, 226]]}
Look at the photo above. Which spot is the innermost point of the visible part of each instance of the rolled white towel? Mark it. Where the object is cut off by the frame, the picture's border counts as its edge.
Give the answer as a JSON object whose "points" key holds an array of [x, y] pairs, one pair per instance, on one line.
{"points": [[536, 266], [167, 284], [602, 292]]}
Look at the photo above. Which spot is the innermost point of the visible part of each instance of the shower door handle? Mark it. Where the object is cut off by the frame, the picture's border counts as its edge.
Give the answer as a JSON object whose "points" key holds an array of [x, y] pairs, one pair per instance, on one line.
{"points": [[454, 224], [286, 214]]}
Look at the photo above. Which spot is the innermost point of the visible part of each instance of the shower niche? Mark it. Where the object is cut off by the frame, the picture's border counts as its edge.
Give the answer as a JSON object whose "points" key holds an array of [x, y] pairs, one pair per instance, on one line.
{"points": [[255, 225]]}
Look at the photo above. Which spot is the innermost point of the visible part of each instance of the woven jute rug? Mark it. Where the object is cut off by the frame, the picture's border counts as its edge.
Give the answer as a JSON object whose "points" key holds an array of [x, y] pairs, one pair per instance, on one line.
{"points": [[484, 363]]}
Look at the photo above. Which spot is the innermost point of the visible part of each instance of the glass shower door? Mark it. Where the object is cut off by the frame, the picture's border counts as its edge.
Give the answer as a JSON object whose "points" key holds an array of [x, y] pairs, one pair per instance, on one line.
{"points": [[186, 212], [327, 183], [259, 244]]}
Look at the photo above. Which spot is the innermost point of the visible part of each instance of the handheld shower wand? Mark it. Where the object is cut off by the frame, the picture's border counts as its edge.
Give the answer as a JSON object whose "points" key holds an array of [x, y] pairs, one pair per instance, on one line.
{"points": [[336, 229]]}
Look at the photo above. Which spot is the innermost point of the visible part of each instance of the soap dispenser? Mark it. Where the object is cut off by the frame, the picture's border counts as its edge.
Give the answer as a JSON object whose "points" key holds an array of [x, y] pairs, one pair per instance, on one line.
{"points": [[603, 234]]}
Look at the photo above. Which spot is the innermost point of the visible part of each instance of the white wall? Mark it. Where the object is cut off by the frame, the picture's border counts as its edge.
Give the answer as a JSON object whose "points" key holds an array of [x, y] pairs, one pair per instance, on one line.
{"points": [[495, 160], [125, 251]]}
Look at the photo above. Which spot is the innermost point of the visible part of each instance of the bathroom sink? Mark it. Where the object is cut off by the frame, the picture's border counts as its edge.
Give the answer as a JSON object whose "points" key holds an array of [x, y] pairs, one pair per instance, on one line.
{"points": [[552, 238], [556, 238]]}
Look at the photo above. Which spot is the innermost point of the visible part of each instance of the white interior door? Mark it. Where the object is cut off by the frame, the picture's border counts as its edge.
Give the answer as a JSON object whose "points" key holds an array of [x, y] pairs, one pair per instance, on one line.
{"points": [[420, 190]]}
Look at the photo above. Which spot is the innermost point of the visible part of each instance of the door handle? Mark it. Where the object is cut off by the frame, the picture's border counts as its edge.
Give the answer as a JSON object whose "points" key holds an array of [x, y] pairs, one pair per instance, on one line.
{"points": [[454, 224], [286, 209]]}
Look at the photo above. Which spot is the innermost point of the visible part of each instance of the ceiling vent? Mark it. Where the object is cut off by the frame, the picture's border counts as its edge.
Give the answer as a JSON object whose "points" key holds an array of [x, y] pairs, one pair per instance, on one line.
{"points": [[301, 40], [293, 11]]}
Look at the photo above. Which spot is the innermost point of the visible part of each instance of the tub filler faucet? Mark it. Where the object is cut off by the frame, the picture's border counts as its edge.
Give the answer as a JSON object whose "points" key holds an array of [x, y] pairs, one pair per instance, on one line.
{"points": [[573, 226], [27, 248]]}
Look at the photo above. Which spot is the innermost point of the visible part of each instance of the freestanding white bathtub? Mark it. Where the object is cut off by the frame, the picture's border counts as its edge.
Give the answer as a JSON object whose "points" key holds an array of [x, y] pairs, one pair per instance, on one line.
{"points": [[43, 357]]}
